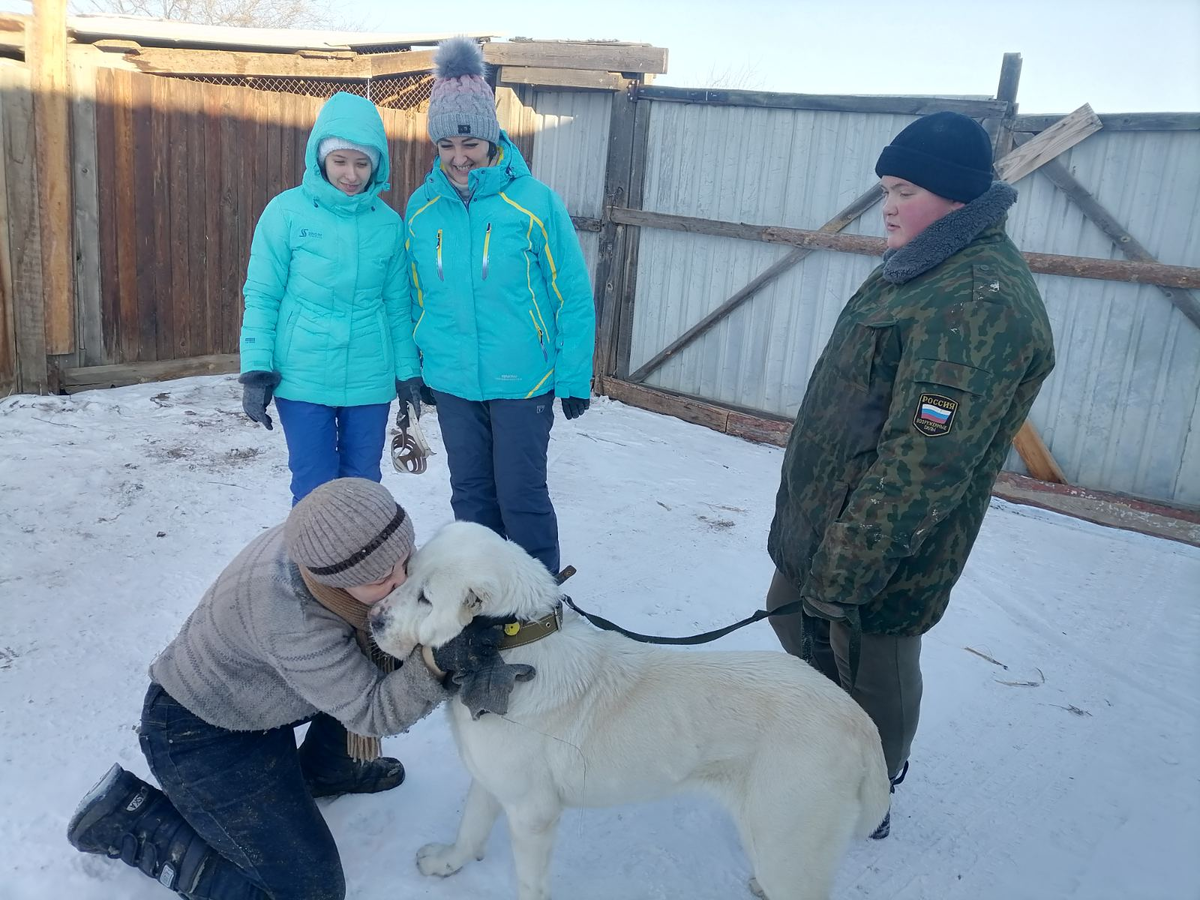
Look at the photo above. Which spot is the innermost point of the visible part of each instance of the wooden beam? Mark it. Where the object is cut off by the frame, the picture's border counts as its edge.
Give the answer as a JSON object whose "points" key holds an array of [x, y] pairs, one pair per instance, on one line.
{"points": [[1120, 122], [244, 63], [605, 57], [12, 35], [117, 45], [1055, 140], [860, 205], [1187, 303], [400, 63], [689, 409], [1044, 263], [751, 426], [572, 79], [1036, 456], [1006, 90], [52, 134], [909, 106], [92, 377]]}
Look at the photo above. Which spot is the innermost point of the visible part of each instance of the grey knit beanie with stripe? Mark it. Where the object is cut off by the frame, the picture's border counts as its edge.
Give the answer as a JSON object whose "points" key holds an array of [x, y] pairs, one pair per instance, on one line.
{"points": [[461, 102], [349, 532]]}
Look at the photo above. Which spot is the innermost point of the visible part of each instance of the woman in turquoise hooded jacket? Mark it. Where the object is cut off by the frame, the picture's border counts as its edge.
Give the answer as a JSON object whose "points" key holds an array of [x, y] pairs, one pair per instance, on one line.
{"points": [[502, 308], [327, 329]]}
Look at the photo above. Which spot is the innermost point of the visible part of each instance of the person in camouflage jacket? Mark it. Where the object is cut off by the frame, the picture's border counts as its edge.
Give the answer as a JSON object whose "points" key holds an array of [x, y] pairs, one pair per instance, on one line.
{"points": [[929, 373]]}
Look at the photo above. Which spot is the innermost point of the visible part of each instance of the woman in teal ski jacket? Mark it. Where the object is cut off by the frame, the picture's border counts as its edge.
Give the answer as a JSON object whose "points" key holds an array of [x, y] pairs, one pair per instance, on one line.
{"points": [[502, 308], [327, 329]]}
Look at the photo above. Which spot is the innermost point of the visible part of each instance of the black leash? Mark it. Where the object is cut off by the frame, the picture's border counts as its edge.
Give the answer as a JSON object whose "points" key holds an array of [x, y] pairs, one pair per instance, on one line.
{"points": [[852, 620], [605, 625]]}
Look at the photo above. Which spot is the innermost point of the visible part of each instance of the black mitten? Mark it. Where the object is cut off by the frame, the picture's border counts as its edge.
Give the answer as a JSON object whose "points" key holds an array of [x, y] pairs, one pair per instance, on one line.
{"points": [[408, 391], [473, 663], [257, 390]]}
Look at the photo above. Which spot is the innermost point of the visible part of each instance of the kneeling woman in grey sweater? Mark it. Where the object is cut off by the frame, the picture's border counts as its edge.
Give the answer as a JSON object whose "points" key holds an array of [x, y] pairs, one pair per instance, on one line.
{"points": [[279, 639]]}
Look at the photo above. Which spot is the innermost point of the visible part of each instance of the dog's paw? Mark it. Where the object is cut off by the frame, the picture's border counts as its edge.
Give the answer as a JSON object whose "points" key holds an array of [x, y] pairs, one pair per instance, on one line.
{"points": [[439, 859]]}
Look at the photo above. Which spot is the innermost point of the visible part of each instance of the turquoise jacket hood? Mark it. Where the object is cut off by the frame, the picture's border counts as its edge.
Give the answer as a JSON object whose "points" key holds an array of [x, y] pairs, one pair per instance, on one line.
{"points": [[355, 119]]}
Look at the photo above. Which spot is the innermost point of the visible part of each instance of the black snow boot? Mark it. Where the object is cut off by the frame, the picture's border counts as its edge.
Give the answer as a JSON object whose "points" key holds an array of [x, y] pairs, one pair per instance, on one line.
{"points": [[885, 827], [125, 818], [330, 772]]}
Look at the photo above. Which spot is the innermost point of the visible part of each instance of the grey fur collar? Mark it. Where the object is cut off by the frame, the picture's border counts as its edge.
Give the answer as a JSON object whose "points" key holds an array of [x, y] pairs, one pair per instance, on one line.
{"points": [[948, 235]]}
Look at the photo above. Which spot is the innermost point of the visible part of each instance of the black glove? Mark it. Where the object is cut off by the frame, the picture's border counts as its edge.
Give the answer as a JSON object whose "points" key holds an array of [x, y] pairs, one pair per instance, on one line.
{"points": [[408, 391], [257, 390], [473, 665], [819, 609], [574, 407]]}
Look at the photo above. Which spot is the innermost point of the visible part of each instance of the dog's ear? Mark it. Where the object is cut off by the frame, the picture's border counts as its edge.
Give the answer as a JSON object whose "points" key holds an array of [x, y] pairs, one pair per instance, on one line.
{"points": [[478, 596], [473, 602]]}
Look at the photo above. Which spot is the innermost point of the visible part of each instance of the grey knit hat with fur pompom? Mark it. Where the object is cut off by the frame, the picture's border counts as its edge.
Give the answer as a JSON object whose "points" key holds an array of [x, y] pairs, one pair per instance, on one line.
{"points": [[461, 103], [349, 532]]}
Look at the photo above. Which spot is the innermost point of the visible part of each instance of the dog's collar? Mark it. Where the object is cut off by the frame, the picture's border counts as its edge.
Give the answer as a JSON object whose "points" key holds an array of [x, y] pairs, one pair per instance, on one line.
{"points": [[518, 634]]}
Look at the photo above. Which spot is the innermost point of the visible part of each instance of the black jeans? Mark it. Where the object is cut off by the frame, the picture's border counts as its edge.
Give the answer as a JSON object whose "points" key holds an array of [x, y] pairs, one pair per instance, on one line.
{"points": [[244, 794]]}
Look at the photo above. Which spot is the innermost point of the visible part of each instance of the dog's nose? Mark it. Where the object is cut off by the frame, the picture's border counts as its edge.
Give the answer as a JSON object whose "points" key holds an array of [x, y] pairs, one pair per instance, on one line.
{"points": [[377, 618]]}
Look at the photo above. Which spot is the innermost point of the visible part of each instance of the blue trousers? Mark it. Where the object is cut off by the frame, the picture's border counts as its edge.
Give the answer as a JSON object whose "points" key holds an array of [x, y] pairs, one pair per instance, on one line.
{"points": [[328, 442], [244, 794], [496, 450]]}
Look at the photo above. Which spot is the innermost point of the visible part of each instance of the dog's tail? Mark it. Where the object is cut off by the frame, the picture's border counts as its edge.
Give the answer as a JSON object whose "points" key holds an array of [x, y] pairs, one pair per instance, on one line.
{"points": [[874, 791]]}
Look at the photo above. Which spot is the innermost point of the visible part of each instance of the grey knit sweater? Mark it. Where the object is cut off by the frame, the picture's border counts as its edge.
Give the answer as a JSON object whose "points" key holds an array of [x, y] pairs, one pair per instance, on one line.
{"points": [[259, 652]]}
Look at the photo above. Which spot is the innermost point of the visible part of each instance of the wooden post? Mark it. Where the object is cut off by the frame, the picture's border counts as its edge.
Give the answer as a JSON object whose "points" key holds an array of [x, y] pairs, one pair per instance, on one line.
{"points": [[47, 56], [610, 261], [1006, 90], [633, 239]]}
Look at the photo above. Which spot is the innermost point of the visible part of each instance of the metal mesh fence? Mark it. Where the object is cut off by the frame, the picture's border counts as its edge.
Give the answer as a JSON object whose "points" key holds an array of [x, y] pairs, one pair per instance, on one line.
{"points": [[389, 91]]}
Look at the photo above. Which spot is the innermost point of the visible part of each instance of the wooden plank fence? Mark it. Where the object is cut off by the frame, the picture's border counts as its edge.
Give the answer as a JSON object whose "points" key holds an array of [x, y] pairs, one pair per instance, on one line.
{"points": [[185, 169]]}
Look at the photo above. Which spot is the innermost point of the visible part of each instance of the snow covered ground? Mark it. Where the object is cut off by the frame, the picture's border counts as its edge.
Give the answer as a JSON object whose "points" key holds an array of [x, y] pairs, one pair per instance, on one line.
{"points": [[1065, 766]]}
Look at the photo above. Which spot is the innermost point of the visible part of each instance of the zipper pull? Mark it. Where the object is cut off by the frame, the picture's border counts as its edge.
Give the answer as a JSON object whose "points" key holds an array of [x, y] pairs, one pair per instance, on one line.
{"points": [[441, 274], [487, 239]]}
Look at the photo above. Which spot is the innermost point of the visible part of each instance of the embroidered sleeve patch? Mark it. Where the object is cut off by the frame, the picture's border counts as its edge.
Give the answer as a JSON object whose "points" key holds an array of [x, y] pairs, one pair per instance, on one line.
{"points": [[935, 415]]}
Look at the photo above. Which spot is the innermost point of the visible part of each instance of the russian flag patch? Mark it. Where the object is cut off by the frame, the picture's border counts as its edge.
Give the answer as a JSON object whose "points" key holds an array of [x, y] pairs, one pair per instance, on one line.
{"points": [[935, 415]]}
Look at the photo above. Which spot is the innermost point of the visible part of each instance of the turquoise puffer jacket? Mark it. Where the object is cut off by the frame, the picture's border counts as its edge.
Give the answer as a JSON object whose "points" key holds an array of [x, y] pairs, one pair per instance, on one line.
{"points": [[502, 298], [327, 289]]}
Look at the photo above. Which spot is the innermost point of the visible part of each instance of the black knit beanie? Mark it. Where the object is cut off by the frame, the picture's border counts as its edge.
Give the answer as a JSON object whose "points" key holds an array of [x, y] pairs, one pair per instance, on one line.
{"points": [[946, 153]]}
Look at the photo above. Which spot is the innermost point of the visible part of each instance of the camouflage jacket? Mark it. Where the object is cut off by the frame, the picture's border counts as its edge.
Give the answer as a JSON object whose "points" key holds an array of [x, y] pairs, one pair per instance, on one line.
{"points": [[930, 371]]}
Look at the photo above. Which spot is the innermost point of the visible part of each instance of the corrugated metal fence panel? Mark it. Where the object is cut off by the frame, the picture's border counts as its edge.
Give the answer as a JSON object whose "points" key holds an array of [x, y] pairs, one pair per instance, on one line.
{"points": [[765, 166], [570, 153], [1121, 410]]}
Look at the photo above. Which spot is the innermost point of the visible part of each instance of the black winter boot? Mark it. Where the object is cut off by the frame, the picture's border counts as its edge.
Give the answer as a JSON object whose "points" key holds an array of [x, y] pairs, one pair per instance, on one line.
{"points": [[127, 819], [330, 772], [885, 827]]}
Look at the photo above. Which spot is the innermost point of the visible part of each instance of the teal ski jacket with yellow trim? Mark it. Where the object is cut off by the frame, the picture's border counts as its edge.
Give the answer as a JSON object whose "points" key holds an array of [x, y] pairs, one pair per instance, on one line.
{"points": [[502, 301], [327, 290]]}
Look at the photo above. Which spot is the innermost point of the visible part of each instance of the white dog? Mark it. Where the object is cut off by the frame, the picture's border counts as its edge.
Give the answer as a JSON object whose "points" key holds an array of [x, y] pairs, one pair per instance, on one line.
{"points": [[609, 721]]}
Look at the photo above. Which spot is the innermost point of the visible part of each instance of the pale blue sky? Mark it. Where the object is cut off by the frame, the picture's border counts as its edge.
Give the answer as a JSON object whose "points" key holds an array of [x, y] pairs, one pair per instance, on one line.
{"points": [[1118, 55]]}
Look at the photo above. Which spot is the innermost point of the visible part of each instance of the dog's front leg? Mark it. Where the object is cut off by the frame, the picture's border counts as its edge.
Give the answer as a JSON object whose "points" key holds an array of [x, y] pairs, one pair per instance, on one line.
{"points": [[532, 825], [479, 816]]}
